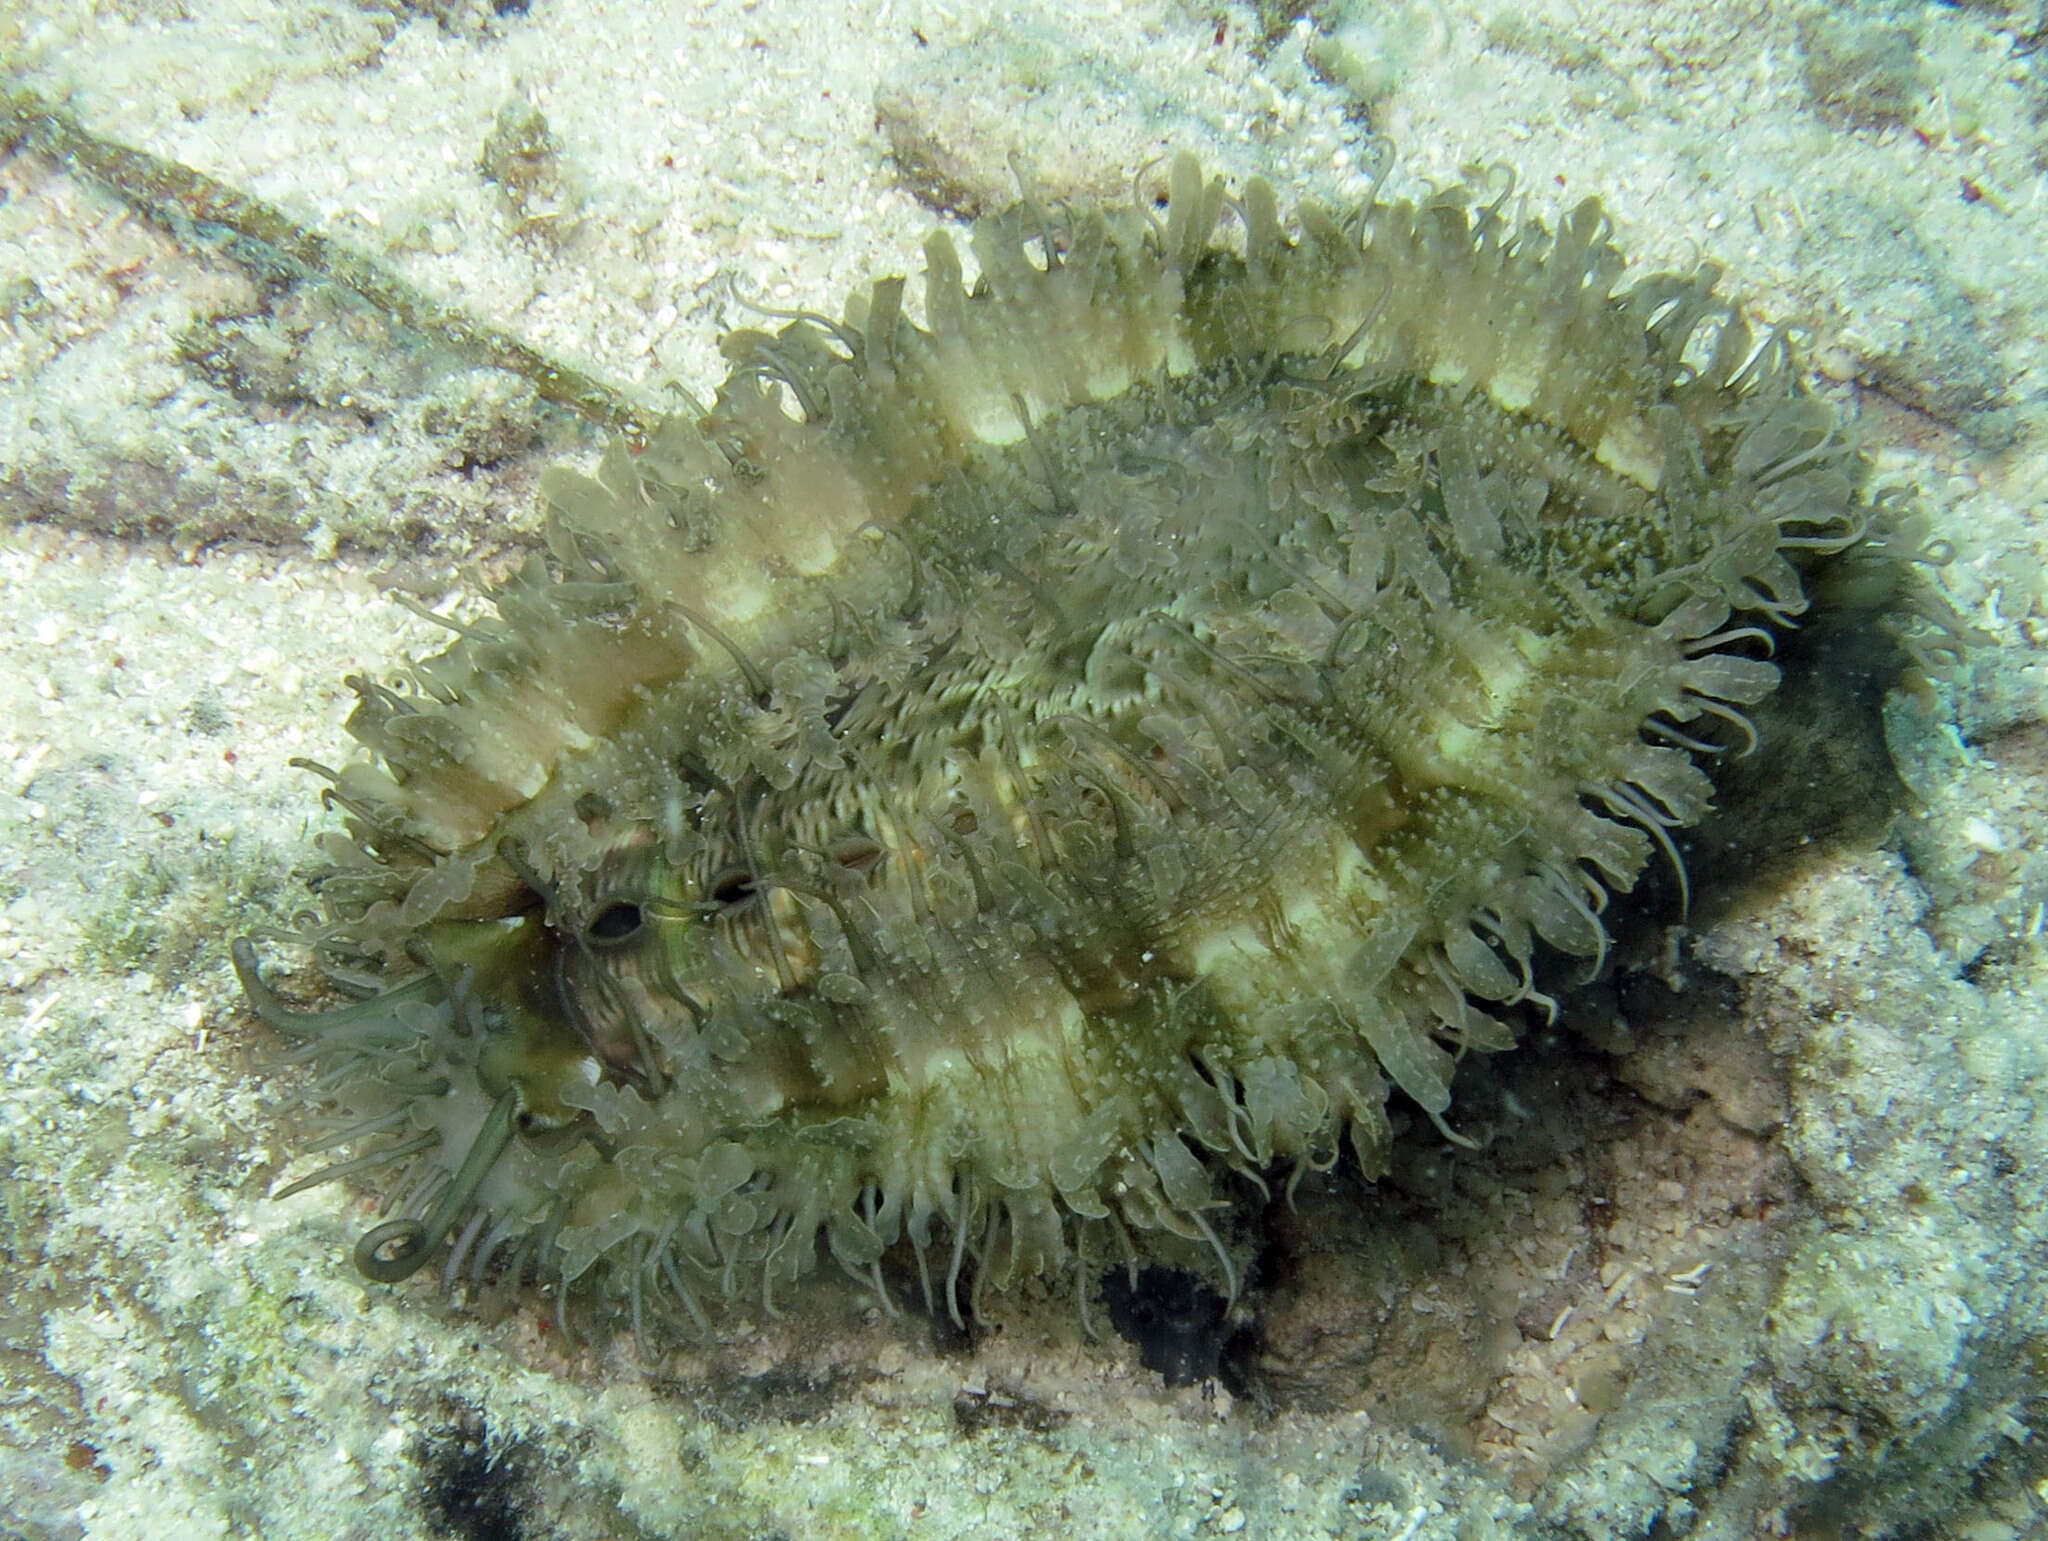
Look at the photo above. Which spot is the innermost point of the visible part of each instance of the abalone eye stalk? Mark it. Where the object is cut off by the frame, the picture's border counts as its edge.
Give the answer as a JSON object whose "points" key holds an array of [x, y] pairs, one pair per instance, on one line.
{"points": [[397, 1249]]}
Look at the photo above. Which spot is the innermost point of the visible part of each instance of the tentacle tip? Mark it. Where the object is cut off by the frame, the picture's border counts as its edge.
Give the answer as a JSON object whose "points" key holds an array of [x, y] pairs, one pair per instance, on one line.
{"points": [[393, 1252], [262, 999]]}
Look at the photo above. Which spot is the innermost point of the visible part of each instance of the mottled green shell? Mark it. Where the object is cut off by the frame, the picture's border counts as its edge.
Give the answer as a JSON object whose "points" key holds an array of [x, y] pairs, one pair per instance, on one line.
{"points": [[994, 772]]}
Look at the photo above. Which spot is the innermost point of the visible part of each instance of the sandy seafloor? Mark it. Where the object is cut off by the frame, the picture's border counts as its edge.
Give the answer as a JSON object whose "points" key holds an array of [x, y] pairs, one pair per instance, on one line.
{"points": [[1773, 1268]]}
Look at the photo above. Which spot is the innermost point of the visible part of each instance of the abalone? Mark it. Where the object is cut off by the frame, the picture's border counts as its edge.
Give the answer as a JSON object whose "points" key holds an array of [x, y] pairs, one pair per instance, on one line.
{"points": [[999, 771]]}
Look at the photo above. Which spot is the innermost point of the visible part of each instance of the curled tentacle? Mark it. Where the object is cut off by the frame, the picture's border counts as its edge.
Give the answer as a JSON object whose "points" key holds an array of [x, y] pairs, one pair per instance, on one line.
{"points": [[265, 1003], [397, 1249]]}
